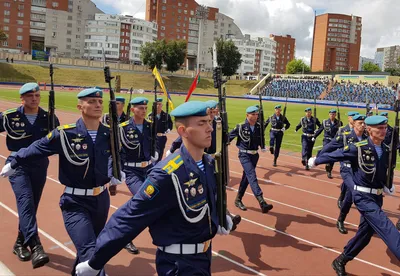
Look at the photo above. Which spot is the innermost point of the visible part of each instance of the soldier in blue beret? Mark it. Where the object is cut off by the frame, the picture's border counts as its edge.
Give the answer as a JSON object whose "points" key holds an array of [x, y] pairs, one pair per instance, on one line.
{"points": [[278, 126], [349, 126], [120, 101], [330, 127], [177, 202], [135, 153], [389, 132], [25, 125], [308, 125], [164, 126], [84, 162], [369, 159], [248, 141]]}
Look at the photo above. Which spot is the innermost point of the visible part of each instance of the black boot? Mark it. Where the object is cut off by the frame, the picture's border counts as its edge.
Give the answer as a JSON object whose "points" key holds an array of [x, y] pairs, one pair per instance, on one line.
{"points": [[307, 168], [304, 162], [274, 164], [20, 250], [39, 257], [235, 221], [339, 265], [271, 149], [265, 207], [329, 175], [340, 224], [239, 203], [131, 248]]}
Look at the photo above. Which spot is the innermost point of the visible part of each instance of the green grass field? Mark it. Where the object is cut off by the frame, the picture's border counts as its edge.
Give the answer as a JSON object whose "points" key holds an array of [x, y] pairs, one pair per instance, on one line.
{"points": [[235, 107], [95, 77]]}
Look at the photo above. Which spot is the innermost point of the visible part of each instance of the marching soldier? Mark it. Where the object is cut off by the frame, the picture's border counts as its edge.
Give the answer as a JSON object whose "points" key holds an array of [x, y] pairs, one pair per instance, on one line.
{"points": [[248, 141], [135, 154], [24, 125], [120, 101], [164, 126], [84, 157], [389, 132], [330, 127], [278, 126], [370, 159], [308, 125], [177, 202], [346, 169]]}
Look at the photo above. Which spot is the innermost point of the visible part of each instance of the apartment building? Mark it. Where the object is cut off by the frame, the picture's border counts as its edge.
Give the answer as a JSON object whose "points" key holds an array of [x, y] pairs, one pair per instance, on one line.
{"points": [[285, 50], [388, 57], [336, 42], [120, 37]]}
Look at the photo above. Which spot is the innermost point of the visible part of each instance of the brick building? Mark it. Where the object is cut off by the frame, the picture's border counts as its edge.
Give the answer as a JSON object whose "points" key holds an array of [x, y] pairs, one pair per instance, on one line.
{"points": [[285, 49], [336, 42]]}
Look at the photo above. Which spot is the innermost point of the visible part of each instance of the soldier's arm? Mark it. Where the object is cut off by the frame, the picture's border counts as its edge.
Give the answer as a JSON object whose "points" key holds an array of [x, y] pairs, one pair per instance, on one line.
{"points": [[348, 153], [170, 124], [267, 122], [298, 126], [1, 122], [147, 206], [234, 133], [319, 131], [333, 145], [48, 145], [317, 122], [286, 122], [176, 144]]}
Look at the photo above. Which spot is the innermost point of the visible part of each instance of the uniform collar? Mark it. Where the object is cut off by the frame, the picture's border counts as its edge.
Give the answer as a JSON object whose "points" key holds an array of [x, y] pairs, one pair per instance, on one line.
{"points": [[40, 113], [190, 163]]}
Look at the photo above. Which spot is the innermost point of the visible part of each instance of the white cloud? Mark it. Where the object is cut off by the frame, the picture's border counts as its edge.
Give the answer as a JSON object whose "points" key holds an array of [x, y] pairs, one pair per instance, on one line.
{"points": [[294, 17]]}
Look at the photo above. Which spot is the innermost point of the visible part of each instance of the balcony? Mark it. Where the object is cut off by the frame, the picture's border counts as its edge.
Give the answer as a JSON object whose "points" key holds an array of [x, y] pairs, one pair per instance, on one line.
{"points": [[38, 10]]}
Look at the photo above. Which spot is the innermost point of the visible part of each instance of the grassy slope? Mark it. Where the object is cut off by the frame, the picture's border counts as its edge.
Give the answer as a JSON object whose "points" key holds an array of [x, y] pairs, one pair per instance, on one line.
{"points": [[69, 76], [236, 112]]}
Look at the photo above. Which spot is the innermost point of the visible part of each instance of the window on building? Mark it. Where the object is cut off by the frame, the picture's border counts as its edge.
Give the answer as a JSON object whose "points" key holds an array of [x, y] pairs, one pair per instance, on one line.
{"points": [[5, 43], [68, 32], [20, 22], [19, 30], [7, 4], [20, 14], [20, 7], [6, 20], [54, 34], [69, 17], [19, 37], [54, 4], [19, 45], [162, 34], [6, 12], [164, 1], [5, 28], [164, 8], [164, 14], [69, 25]]}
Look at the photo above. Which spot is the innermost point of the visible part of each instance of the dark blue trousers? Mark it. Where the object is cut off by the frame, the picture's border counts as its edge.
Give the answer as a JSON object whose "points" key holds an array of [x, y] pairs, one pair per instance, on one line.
{"points": [[276, 139], [249, 163], [161, 141], [373, 220], [27, 183], [135, 177], [329, 166], [185, 264], [306, 147], [84, 218], [347, 188]]}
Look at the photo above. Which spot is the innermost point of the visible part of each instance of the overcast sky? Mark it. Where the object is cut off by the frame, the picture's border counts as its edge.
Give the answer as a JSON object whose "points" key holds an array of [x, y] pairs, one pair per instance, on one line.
{"points": [[380, 18]]}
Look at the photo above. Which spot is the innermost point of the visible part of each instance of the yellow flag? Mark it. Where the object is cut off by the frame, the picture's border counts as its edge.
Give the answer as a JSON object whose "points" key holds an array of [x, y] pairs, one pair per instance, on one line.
{"points": [[161, 83]]}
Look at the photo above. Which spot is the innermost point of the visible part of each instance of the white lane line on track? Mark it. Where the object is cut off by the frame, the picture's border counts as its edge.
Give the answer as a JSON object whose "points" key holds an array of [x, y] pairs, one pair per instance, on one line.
{"points": [[48, 236], [4, 271]]}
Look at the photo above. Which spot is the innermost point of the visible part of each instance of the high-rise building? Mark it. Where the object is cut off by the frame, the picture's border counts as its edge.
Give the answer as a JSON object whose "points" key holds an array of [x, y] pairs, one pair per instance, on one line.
{"points": [[199, 25], [285, 49], [336, 42], [49, 25], [120, 37], [388, 57], [258, 55]]}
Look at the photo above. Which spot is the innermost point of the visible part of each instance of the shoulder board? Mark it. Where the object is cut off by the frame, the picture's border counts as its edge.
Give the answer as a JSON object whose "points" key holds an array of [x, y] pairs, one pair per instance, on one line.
{"points": [[347, 132], [361, 143], [106, 125], [124, 123], [9, 111], [66, 126], [173, 164], [149, 121]]}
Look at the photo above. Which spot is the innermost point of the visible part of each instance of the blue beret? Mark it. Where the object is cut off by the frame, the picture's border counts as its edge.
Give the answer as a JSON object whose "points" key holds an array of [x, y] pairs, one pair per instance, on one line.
{"points": [[252, 109], [359, 117], [120, 99], [191, 108], [159, 100], [384, 114], [352, 113], [332, 111], [212, 103], [376, 120], [90, 92], [278, 106], [29, 87], [139, 100], [307, 109]]}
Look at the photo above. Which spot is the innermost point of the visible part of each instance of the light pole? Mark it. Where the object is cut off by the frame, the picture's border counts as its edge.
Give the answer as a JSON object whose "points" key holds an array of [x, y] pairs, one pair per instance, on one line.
{"points": [[201, 14]]}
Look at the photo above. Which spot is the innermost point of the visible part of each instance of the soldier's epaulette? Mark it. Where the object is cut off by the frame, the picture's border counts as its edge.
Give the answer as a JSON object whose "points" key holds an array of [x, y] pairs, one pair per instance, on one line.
{"points": [[106, 125], [66, 126], [124, 123], [148, 120], [173, 164], [361, 143], [346, 132], [9, 111]]}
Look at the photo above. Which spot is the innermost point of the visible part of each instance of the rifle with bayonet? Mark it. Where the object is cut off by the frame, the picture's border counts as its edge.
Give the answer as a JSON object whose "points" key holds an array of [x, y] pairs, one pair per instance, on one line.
{"points": [[166, 116], [284, 109], [315, 112], [338, 112], [51, 117], [261, 120], [114, 133], [128, 108], [153, 145], [393, 147]]}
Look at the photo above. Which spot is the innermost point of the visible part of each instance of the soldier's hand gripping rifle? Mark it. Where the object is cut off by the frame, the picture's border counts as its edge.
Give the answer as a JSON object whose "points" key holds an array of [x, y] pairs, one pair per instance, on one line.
{"points": [[51, 116], [128, 108], [393, 147], [114, 133], [153, 145]]}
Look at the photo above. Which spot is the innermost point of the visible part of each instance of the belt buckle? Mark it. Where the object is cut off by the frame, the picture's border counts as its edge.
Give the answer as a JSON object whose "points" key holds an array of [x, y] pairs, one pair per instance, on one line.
{"points": [[144, 164], [378, 191], [206, 245], [96, 191]]}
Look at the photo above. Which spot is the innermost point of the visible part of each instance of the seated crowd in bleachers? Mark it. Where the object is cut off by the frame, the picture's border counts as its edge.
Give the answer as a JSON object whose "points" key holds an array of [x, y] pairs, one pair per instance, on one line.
{"points": [[306, 87], [362, 93]]}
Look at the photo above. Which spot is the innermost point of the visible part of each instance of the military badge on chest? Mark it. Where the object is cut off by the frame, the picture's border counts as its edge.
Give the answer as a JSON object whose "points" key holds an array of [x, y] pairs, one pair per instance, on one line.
{"points": [[77, 143], [131, 134]]}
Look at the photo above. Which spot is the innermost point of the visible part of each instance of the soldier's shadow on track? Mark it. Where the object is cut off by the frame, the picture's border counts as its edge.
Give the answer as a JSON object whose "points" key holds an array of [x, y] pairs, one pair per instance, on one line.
{"points": [[138, 265], [61, 263]]}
